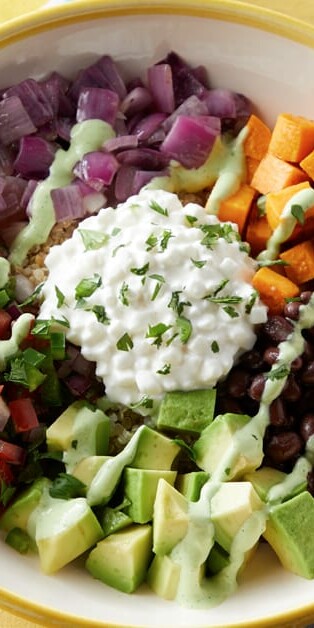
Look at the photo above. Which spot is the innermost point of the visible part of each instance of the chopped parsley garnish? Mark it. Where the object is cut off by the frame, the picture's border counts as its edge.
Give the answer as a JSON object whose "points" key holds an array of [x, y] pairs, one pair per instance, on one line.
{"points": [[198, 263], [298, 213], [157, 208], [160, 280], [100, 313], [34, 296], [191, 219], [157, 331], [87, 286], [215, 346], [144, 402], [120, 246], [66, 486], [151, 242], [220, 286], [230, 311], [212, 233], [165, 370], [93, 240], [123, 294], [60, 297], [251, 302], [228, 299], [176, 305], [42, 327], [165, 239], [279, 372], [185, 328], [272, 262], [140, 271], [125, 343], [115, 231]]}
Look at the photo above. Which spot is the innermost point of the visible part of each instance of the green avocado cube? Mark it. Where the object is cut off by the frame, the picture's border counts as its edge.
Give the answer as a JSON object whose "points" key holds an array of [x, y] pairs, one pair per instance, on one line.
{"points": [[218, 559], [212, 447], [64, 530], [112, 520], [81, 430], [121, 560], [190, 484], [88, 467], [17, 515], [154, 451], [163, 577], [231, 506], [140, 487], [170, 519], [289, 531], [188, 411]]}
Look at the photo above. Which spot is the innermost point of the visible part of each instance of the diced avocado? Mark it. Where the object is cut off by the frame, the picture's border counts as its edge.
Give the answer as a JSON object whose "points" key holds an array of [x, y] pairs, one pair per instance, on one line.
{"points": [[17, 515], [190, 484], [140, 487], [86, 469], [288, 531], [216, 440], [218, 559], [189, 411], [154, 451], [170, 520], [231, 505], [163, 577], [64, 530], [263, 479], [81, 430], [112, 520], [121, 559]]}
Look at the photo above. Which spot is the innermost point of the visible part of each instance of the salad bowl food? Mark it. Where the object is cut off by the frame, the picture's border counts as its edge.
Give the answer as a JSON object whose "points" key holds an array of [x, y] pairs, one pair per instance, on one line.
{"points": [[156, 449]]}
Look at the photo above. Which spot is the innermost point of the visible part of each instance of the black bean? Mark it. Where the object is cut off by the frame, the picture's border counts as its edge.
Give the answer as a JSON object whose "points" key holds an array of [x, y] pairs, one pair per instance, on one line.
{"points": [[257, 386], [284, 447], [292, 310], [307, 426], [278, 414], [252, 360], [297, 364], [278, 328], [308, 350], [305, 296], [238, 382], [271, 355], [228, 404], [307, 375], [291, 390]]}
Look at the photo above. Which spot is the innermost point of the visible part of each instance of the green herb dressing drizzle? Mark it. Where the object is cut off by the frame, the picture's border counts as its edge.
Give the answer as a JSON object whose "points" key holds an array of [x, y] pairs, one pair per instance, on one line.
{"points": [[86, 136], [4, 271], [9, 347]]}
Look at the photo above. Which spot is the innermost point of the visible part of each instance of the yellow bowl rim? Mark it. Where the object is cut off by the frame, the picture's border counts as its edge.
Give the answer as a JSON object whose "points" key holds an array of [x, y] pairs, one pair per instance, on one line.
{"points": [[237, 11]]}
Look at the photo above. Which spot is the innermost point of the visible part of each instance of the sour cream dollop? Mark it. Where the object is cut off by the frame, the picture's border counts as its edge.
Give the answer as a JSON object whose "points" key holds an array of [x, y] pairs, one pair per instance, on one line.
{"points": [[158, 294]]}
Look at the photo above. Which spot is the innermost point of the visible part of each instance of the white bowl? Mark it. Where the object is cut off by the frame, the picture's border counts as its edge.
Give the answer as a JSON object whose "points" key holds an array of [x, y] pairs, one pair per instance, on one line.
{"points": [[268, 57]]}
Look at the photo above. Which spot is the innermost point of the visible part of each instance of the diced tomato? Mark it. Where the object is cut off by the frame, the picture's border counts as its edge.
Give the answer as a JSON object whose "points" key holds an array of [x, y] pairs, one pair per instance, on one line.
{"points": [[5, 325], [23, 414], [13, 454], [6, 474]]}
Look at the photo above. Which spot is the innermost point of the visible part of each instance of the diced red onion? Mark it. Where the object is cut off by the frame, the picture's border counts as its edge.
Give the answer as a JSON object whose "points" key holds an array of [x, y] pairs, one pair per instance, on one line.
{"points": [[56, 87], [189, 141], [64, 127], [146, 158], [77, 384], [145, 127], [7, 157], [14, 120], [10, 232], [83, 366], [137, 100], [192, 106], [121, 142], [112, 75], [97, 103], [67, 202], [14, 310], [123, 187], [221, 102], [35, 157], [35, 100], [120, 126], [200, 73], [161, 86], [11, 196], [27, 195], [97, 169], [143, 177]]}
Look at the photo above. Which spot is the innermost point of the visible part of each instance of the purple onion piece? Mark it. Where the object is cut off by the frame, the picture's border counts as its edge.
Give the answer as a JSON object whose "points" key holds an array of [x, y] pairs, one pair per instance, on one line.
{"points": [[77, 384], [185, 84], [10, 232], [189, 141], [148, 125], [14, 310], [120, 126], [112, 75], [97, 169], [123, 187], [64, 127], [7, 156], [145, 158], [103, 73], [192, 106], [56, 87], [200, 73], [143, 177], [221, 102], [35, 157], [28, 193], [122, 142], [67, 202], [97, 103], [137, 100], [35, 100], [160, 84], [14, 120], [12, 192]]}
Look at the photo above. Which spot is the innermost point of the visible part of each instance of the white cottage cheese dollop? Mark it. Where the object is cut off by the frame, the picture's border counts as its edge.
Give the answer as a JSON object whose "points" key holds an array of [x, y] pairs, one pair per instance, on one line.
{"points": [[158, 294]]}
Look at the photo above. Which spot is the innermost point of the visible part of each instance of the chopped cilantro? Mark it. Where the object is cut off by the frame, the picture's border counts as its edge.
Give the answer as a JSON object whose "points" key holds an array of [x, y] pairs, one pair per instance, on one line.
{"points": [[157, 208], [66, 486], [140, 271], [125, 343], [185, 328], [176, 305], [215, 346], [93, 240], [230, 311], [157, 331], [298, 212], [251, 302], [279, 372], [144, 402], [165, 239], [165, 370], [87, 286], [123, 294], [198, 263], [34, 296], [100, 313], [151, 241], [60, 297], [191, 219], [228, 299]]}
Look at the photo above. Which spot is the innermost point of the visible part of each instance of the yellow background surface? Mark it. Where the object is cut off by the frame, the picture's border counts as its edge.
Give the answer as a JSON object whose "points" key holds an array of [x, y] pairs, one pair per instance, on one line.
{"points": [[302, 9]]}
